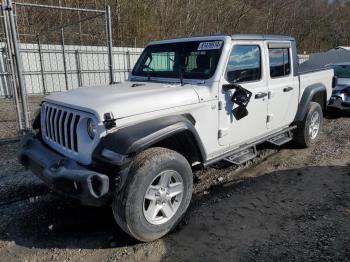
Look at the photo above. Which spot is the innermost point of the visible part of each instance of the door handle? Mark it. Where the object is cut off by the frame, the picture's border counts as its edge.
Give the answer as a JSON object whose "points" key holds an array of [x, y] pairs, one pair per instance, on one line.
{"points": [[260, 95], [287, 89]]}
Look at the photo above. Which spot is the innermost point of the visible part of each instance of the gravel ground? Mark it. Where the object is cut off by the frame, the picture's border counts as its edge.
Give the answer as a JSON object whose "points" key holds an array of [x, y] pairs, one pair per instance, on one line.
{"points": [[8, 122], [288, 204]]}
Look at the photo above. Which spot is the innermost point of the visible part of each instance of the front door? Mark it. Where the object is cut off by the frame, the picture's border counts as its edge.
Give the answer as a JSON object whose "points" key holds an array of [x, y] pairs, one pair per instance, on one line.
{"points": [[246, 68]]}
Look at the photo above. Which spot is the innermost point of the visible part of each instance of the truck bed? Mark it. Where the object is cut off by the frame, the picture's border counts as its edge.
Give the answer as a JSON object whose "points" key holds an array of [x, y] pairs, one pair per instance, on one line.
{"points": [[322, 76]]}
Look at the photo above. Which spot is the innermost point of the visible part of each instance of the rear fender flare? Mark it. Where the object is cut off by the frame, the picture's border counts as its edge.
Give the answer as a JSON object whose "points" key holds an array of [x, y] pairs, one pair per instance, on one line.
{"points": [[306, 98]]}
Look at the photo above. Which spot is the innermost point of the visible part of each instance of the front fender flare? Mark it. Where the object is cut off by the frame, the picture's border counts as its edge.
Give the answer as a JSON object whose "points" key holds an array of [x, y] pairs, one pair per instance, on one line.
{"points": [[135, 138]]}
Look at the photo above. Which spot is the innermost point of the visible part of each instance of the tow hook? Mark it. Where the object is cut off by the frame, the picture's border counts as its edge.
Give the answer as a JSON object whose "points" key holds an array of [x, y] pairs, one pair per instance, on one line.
{"points": [[98, 185]]}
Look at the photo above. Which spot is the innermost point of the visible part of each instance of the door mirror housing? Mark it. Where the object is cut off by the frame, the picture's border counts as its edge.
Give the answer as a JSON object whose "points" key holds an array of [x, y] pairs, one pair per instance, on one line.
{"points": [[241, 96]]}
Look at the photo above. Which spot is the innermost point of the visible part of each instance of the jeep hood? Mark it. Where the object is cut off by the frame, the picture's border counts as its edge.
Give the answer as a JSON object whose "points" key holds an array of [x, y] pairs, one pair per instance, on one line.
{"points": [[126, 99]]}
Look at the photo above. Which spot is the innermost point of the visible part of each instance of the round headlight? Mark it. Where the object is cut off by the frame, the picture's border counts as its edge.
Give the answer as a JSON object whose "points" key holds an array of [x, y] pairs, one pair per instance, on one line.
{"points": [[91, 128]]}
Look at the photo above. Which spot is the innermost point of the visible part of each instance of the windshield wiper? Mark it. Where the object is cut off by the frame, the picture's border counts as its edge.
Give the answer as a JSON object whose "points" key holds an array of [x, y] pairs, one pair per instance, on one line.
{"points": [[181, 75], [148, 71], [180, 72]]}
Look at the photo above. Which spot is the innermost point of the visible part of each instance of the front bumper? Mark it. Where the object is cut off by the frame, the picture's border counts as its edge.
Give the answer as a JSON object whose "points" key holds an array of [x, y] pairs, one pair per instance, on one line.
{"points": [[64, 175], [338, 105]]}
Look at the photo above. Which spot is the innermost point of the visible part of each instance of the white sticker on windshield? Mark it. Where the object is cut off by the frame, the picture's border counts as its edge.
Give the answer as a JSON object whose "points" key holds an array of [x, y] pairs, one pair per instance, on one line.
{"points": [[210, 45]]}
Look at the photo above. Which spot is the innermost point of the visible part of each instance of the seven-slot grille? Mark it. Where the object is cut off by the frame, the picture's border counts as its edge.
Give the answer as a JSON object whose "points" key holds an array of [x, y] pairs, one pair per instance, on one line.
{"points": [[60, 126]]}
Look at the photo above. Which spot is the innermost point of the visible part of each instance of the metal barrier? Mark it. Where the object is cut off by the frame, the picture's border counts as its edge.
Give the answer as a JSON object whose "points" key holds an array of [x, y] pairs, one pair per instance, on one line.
{"points": [[44, 71], [78, 27]]}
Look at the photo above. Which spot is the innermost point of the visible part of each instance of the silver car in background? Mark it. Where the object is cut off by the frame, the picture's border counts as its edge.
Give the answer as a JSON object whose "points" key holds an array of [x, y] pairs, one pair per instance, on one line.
{"points": [[340, 100]]}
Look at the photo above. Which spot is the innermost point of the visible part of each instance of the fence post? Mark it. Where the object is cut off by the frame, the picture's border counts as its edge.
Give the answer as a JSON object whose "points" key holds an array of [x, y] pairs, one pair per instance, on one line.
{"points": [[77, 61], [12, 79], [41, 64], [18, 60], [128, 61], [64, 58], [4, 75], [109, 43]]}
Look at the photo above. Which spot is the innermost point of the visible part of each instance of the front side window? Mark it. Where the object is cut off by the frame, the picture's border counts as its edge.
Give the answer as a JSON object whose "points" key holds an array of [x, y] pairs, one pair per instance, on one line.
{"points": [[244, 64], [279, 62], [194, 60]]}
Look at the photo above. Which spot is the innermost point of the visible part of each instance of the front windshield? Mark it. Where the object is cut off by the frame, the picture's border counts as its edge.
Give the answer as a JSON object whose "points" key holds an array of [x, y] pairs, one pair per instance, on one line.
{"points": [[191, 60], [341, 71]]}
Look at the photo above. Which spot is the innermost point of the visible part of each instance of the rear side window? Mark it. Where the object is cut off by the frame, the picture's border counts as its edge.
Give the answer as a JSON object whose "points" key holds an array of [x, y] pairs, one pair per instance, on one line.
{"points": [[244, 64], [279, 62]]}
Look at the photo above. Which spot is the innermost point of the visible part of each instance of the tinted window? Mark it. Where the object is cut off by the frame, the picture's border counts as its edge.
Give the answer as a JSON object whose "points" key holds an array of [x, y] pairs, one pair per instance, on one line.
{"points": [[279, 62], [244, 64], [160, 61], [196, 60], [342, 71]]}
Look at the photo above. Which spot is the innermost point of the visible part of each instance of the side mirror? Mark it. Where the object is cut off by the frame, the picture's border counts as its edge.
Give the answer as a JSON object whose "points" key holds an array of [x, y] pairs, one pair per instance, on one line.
{"points": [[241, 97]]}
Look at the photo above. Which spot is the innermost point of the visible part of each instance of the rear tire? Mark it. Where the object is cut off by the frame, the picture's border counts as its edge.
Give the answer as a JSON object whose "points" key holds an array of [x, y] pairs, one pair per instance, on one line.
{"points": [[156, 196], [308, 131]]}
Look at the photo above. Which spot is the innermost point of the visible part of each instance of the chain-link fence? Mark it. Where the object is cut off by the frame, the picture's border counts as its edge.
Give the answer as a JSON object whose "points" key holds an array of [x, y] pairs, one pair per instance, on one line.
{"points": [[45, 49]]}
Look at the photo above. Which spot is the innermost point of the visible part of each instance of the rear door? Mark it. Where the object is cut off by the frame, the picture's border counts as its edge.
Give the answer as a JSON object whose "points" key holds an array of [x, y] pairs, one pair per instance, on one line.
{"points": [[283, 85], [245, 67]]}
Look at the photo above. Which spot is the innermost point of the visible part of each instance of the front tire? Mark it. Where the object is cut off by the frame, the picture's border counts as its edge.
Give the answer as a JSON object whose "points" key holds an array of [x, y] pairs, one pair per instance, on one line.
{"points": [[156, 196], [308, 131]]}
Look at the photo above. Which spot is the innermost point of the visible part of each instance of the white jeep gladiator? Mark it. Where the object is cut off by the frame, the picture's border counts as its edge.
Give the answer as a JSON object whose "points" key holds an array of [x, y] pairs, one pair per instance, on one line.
{"points": [[188, 102]]}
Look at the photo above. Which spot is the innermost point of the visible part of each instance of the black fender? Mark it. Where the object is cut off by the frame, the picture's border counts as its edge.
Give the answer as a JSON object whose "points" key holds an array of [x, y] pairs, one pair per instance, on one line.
{"points": [[308, 95], [135, 138]]}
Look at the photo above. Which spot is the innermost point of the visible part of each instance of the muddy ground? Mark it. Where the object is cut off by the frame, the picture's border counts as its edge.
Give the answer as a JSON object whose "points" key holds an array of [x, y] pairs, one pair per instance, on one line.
{"points": [[289, 204]]}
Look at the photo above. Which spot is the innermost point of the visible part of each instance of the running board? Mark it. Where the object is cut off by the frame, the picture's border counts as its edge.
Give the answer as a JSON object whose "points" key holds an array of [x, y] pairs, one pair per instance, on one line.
{"points": [[281, 139], [242, 156], [228, 155]]}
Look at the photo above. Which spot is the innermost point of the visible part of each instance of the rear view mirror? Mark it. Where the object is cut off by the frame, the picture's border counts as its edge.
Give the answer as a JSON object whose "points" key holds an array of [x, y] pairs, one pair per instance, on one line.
{"points": [[232, 76]]}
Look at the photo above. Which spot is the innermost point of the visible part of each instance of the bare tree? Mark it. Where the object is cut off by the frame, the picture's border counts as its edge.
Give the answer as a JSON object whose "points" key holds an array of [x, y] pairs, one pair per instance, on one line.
{"points": [[316, 24]]}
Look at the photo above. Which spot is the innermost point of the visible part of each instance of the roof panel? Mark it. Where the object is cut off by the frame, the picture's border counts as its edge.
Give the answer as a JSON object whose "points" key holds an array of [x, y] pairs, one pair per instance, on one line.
{"points": [[222, 37], [262, 37]]}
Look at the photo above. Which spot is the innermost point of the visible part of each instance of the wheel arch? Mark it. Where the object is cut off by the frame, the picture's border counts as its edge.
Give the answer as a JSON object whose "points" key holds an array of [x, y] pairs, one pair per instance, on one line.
{"points": [[177, 133], [183, 142], [313, 93]]}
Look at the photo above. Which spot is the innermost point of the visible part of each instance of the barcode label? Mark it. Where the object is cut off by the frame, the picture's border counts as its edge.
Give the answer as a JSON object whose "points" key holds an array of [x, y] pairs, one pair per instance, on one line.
{"points": [[210, 45]]}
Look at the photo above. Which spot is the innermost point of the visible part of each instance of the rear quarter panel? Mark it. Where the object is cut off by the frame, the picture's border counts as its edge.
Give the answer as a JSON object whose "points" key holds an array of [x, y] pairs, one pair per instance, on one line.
{"points": [[322, 77]]}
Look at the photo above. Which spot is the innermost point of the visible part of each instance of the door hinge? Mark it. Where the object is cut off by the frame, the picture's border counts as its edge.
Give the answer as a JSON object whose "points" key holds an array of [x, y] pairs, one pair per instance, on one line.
{"points": [[220, 105], [269, 118], [222, 132], [270, 94]]}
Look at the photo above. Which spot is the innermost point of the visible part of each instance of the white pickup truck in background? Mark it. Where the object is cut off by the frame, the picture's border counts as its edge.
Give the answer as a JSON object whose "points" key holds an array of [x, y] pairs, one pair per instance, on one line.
{"points": [[188, 102]]}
